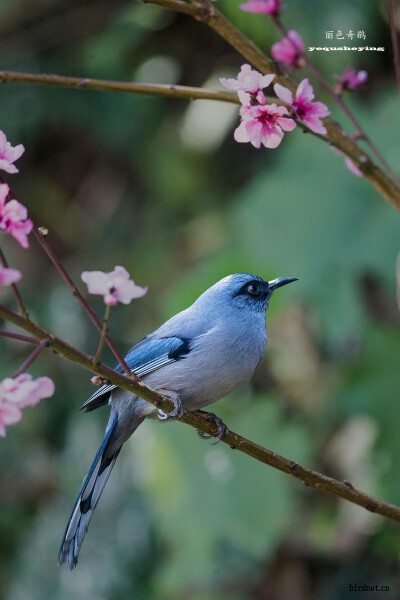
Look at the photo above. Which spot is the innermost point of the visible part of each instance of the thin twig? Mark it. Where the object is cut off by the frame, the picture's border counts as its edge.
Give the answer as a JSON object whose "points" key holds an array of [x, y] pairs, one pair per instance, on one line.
{"points": [[103, 333], [395, 43], [18, 336], [14, 288], [32, 357], [84, 83], [200, 420], [56, 262], [204, 11]]}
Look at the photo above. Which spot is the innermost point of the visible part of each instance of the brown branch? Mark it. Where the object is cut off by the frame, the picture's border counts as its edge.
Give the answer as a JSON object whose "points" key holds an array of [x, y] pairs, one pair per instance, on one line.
{"points": [[395, 43], [14, 288], [32, 357], [200, 420], [169, 91], [203, 10], [83, 83], [17, 336]]}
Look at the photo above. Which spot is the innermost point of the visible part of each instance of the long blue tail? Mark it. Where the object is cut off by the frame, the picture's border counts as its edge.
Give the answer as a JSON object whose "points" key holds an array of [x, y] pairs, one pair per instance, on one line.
{"points": [[87, 500]]}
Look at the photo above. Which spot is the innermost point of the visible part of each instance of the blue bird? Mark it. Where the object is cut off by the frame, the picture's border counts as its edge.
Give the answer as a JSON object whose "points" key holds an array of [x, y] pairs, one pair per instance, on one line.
{"points": [[197, 357]]}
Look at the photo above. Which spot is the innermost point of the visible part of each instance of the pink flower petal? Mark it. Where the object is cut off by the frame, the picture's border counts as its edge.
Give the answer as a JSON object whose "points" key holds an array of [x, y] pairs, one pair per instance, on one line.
{"points": [[240, 134], [266, 80], [352, 167], [286, 124], [263, 124], [296, 39], [9, 415], [255, 128], [9, 154], [115, 286], [303, 106], [9, 276], [20, 231], [19, 392], [267, 7], [315, 124], [7, 167], [13, 218], [260, 97], [305, 91], [349, 163], [320, 109], [271, 136], [4, 190], [231, 84], [96, 281], [351, 79], [248, 80], [244, 97], [288, 50], [44, 388], [283, 93]]}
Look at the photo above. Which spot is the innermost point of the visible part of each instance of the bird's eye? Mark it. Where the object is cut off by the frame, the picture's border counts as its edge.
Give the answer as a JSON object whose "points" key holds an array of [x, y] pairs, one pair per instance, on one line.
{"points": [[252, 289]]}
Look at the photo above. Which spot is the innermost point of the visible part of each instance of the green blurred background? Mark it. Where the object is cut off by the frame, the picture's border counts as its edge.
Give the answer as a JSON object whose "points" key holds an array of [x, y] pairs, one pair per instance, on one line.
{"points": [[160, 187]]}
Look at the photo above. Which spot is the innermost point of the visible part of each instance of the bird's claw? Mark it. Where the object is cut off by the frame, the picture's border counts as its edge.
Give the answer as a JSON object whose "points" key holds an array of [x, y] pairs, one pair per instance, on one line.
{"points": [[178, 408], [221, 429]]}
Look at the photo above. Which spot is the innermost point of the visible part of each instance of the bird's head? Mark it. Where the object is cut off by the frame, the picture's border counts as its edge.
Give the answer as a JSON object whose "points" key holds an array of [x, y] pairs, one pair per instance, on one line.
{"points": [[248, 291]]}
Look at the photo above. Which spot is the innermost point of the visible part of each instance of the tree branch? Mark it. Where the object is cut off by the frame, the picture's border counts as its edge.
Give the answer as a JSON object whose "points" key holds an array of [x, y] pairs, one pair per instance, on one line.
{"points": [[83, 83], [200, 420], [17, 336], [203, 10], [31, 357], [169, 91]]}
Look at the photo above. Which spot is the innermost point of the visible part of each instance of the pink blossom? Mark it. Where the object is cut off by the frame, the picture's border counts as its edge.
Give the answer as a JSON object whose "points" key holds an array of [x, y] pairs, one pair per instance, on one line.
{"points": [[9, 276], [288, 51], [9, 154], [249, 81], [352, 167], [266, 7], [115, 286], [19, 392], [14, 217], [349, 163], [303, 107], [350, 80], [9, 415], [25, 391], [263, 124]]}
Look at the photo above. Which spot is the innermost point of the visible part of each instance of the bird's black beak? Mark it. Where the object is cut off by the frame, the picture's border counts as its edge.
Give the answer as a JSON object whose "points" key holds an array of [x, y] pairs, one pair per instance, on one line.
{"points": [[277, 283]]}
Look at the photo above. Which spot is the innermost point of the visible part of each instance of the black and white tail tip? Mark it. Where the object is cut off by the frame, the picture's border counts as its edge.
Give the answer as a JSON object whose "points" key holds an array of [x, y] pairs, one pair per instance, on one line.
{"points": [[86, 502]]}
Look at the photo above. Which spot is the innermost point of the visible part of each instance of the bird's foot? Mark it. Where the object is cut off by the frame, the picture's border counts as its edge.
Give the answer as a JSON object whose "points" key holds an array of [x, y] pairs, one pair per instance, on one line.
{"points": [[178, 409], [219, 424]]}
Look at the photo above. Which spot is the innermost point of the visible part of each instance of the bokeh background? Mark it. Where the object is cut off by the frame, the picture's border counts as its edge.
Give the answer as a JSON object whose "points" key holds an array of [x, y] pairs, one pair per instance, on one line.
{"points": [[160, 187]]}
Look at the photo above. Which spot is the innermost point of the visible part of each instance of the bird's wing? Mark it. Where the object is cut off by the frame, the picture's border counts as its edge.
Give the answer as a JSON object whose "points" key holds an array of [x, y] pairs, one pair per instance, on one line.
{"points": [[148, 355]]}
